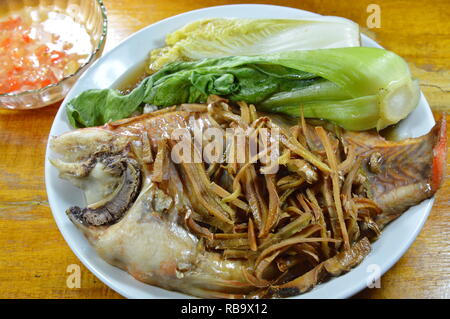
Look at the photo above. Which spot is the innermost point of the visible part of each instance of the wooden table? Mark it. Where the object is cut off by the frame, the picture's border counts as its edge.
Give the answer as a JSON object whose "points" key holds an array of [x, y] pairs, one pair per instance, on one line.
{"points": [[33, 255]]}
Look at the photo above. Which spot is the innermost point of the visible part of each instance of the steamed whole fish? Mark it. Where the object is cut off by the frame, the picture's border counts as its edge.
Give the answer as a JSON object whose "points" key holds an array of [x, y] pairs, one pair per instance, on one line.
{"points": [[226, 230]]}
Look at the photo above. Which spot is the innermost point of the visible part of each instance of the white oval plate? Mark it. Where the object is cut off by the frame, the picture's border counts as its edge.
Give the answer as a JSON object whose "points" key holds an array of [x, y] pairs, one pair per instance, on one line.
{"points": [[395, 239]]}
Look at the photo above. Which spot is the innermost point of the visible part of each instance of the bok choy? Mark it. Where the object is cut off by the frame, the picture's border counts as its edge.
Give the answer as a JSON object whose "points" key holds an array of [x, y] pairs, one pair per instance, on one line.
{"points": [[357, 88], [220, 37]]}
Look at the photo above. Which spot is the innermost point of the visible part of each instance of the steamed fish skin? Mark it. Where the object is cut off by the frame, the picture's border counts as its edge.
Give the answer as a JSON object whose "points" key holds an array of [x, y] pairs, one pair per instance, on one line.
{"points": [[140, 225]]}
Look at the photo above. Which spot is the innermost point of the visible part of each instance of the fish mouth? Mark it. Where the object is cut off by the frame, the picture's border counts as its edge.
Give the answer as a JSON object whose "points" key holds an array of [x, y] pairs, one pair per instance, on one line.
{"points": [[112, 208]]}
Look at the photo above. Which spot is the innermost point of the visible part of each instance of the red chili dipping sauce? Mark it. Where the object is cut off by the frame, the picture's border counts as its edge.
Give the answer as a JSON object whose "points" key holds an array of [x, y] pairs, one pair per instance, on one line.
{"points": [[37, 52]]}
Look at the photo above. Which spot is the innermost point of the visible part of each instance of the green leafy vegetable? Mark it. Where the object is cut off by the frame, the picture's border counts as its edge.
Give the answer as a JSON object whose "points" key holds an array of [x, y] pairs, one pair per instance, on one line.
{"points": [[97, 107], [219, 37], [357, 88]]}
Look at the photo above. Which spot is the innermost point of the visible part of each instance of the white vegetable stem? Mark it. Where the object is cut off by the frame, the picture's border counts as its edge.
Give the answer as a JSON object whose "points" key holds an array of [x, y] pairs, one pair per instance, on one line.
{"points": [[363, 72], [220, 37]]}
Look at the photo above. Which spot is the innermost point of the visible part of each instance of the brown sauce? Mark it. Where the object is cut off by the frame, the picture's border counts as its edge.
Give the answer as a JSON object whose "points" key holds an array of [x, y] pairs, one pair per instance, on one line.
{"points": [[127, 82]]}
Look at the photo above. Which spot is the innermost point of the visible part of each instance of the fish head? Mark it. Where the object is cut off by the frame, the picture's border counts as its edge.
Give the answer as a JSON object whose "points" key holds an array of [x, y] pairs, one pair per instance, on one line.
{"points": [[103, 165]]}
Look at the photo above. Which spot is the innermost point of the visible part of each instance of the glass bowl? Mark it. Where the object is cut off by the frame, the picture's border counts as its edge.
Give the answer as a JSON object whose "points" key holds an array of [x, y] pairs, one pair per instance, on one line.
{"points": [[89, 13]]}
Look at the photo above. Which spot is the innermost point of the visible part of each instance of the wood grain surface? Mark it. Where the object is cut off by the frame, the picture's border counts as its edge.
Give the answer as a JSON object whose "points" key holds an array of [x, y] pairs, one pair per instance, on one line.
{"points": [[34, 257]]}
